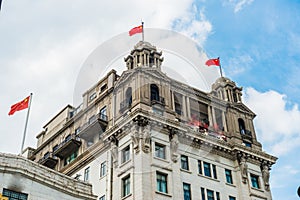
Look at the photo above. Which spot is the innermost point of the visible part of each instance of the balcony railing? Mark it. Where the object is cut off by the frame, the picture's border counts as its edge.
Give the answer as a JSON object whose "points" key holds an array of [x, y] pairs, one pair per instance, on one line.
{"points": [[95, 125], [66, 147], [160, 101], [246, 134], [49, 160]]}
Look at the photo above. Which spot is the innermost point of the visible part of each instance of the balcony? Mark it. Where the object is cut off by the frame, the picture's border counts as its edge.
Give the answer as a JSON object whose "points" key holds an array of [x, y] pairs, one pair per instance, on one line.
{"points": [[65, 148], [246, 134], [49, 160], [95, 125], [159, 100], [124, 105]]}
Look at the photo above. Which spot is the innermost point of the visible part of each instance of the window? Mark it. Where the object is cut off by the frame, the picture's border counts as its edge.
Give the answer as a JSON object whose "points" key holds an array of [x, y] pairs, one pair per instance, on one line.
{"points": [[178, 103], [207, 171], [214, 171], [103, 87], [160, 151], [218, 195], [102, 197], [247, 144], [13, 195], [125, 186], [228, 175], [71, 158], [161, 182], [154, 92], [254, 181], [232, 198], [103, 113], [241, 126], [187, 191], [200, 167], [93, 96], [219, 119], [128, 97], [126, 154], [210, 195], [103, 169], [92, 119], [86, 174], [202, 194], [184, 162]]}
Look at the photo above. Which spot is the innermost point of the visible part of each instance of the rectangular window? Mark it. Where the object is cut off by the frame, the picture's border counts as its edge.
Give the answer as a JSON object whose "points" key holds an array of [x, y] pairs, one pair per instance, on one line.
{"points": [[14, 195], [102, 197], [210, 195], [160, 151], [218, 195], [103, 169], [103, 114], [93, 96], [184, 162], [187, 191], [232, 198], [214, 171], [202, 194], [207, 171], [161, 182], [254, 181], [126, 154], [86, 174], [125, 186], [228, 175], [199, 167]]}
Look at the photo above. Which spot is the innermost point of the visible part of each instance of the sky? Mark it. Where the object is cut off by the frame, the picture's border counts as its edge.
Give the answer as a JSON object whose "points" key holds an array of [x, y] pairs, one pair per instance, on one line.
{"points": [[44, 44]]}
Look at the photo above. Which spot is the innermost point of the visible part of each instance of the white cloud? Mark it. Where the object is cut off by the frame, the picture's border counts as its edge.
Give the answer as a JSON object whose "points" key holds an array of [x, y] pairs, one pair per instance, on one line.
{"points": [[194, 24], [276, 124], [240, 4], [239, 64]]}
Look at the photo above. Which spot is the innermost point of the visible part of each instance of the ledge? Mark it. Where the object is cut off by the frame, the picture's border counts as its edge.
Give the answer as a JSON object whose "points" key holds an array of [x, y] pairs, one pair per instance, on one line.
{"points": [[13, 164], [210, 178], [164, 194]]}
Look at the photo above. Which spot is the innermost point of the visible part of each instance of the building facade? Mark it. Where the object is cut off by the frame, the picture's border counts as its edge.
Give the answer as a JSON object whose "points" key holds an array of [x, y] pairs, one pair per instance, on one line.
{"points": [[143, 135]]}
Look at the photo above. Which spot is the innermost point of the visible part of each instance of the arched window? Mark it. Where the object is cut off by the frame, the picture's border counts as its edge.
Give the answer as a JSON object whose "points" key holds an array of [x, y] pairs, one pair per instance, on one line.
{"points": [[154, 92], [242, 126], [129, 96]]}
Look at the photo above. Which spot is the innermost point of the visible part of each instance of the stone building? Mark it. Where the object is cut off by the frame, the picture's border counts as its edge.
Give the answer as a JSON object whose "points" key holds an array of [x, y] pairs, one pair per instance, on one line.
{"points": [[143, 135]]}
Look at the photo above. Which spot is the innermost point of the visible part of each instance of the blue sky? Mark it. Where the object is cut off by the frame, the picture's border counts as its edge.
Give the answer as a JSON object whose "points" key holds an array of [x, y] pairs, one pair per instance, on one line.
{"points": [[44, 44]]}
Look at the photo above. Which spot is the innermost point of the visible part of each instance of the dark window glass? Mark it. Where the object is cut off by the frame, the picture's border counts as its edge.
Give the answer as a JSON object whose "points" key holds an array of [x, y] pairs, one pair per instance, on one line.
{"points": [[184, 162], [187, 191]]}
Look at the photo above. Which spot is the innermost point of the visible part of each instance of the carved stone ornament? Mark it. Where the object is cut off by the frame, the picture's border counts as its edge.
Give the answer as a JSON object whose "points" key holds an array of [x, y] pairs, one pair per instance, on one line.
{"points": [[265, 171], [146, 130], [114, 151], [135, 136], [174, 142], [243, 167]]}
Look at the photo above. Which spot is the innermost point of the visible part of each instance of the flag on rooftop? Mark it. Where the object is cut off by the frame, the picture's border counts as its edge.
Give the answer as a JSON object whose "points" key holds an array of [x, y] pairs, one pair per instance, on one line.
{"points": [[213, 61], [135, 30]]}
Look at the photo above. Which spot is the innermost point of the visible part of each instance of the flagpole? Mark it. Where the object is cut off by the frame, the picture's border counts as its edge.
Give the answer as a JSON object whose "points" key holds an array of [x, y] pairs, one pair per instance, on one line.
{"points": [[220, 67], [26, 122], [143, 31]]}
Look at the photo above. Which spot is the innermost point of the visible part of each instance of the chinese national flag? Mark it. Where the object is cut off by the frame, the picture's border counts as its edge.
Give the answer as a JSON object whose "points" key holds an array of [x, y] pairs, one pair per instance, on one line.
{"points": [[214, 61], [19, 106], [135, 30]]}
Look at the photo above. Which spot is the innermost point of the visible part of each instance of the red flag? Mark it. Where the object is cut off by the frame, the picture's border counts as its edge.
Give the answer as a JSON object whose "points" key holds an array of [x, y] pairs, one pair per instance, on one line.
{"points": [[138, 29], [214, 61], [19, 106]]}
